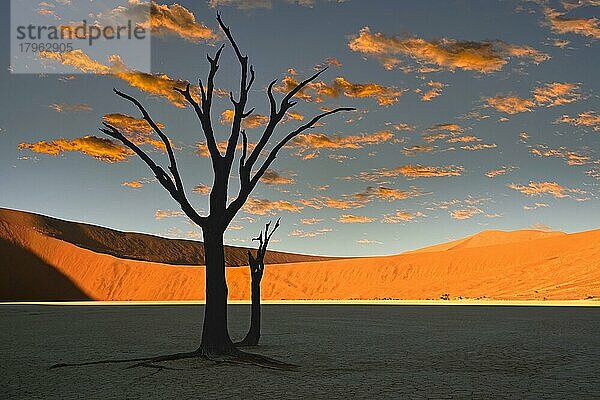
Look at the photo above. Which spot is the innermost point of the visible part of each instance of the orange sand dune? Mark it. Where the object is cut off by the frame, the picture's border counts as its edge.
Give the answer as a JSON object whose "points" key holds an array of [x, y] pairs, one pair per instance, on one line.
{"points": [[487, 238], [517, 265]]}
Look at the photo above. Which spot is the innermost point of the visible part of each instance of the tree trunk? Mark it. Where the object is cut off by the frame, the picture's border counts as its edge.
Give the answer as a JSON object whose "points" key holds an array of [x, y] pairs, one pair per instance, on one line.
{"points": [[253, 335], [215, 336]]}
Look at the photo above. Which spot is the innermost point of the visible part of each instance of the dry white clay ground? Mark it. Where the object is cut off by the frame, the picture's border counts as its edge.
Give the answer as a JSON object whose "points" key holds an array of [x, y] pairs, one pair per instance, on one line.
{"points": [[343, 351]]}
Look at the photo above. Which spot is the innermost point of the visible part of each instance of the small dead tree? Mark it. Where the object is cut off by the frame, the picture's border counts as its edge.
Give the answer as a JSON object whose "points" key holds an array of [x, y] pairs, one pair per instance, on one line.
{"points": [[257, 267], [215, 336]]}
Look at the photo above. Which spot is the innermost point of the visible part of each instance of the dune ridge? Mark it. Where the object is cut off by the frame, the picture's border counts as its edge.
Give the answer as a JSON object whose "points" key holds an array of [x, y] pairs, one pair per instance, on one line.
{"points": [[495, 265]]}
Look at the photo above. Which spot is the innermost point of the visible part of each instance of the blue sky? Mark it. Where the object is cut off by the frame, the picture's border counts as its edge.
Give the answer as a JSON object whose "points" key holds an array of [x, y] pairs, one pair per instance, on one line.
{"points": [[446, 93]]}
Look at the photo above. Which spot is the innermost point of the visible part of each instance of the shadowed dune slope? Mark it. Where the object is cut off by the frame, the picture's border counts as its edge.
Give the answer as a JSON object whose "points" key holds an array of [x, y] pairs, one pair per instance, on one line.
{"points": [[128, 245], [516, 265]]}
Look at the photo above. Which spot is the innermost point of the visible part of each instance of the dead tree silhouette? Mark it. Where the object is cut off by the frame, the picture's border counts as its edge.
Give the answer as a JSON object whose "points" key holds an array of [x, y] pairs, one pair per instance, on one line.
{"points": [[257, 267], [215, 336]]}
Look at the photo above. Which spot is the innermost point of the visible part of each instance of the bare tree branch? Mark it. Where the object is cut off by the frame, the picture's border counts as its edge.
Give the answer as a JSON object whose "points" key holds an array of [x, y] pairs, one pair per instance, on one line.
{"points": [[273, 154], [240, 105], [163, 137], [163, 178], [276, 116], [246, 189]]}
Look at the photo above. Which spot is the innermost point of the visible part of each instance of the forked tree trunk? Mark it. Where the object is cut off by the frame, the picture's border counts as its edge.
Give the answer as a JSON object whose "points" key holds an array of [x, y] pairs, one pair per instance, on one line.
{"points": [[215, 336]]}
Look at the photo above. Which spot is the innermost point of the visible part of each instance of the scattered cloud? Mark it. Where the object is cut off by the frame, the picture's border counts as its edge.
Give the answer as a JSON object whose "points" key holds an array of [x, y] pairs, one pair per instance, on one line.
{"points": [[308, 143], [465, 213], [133, 184], [535, 206], [585, 119], [263, 206], [510, 104], [401, 216], [251, 122], [539, 226], [258, 4], [136, 129], [155, 84], [310, 234], [571, 157], [272, 177], [421, 171], [179, 21], [413, 150], [387, 194], [353, 219], [162, 214], [549, 95], [317, 91], [368, 241], [435, 90], [327, 202], [556, 94], [202, 189], [580, 26], [449, 54], [310, 221], [63, 107], [499, 171], [99, 148], [542, 188]]}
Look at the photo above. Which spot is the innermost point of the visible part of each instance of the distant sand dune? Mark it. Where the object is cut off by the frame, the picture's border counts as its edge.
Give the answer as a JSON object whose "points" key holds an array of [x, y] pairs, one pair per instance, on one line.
{"points": [[520, 265]]}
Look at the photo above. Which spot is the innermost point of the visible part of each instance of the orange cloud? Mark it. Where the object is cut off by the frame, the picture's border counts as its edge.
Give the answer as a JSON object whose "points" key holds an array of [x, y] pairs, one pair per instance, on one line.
{"points": [[272, 177], [316, 91], [420, 171], [500, 171], [541, 188], [450, 54], [310, 221], [588, 118], [401, 216], [441, 131], [569, 156], [161, 214], [463, 139], [202, 189], [580, 26], [413, 150], [480, 146], [133, 184], [435, 91], [328, 202], [353, 219], [549, 95], [98, 148], [264, 206], [155, 84], [386, 193], [137, 129], [316, 141], [510, 104], [556, 93], [465, 213], [178, 20], [251, 122]]}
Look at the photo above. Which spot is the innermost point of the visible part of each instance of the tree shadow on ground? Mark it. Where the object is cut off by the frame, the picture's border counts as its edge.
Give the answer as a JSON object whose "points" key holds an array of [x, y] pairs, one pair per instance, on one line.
{"points": [[240, 357]]}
